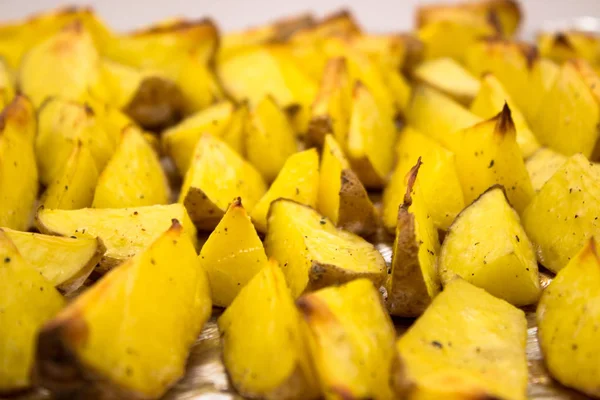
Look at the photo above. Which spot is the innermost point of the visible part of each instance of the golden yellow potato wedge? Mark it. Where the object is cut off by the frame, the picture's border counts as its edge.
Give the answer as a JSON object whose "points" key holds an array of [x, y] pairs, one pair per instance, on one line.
{"points": [[216, 176], [449, 77], [489, 102], [264, 341], [565, 212], [71, 65], [313, 253], [27, 300], [351, 340], [64, 261], [342, 197], [112, 337], [371, 138], [339, 23], [542, 165], [438, 116], [438, 179], [567, 45], [330, 112], [489, 155], [460, 347], [568, 326], [492, 253], [569, 114], [110, 119], [413, 280], [7, 89], [542, 76], [74, 186], [18, 171], [392, 51], [270, 138], [124, 231], [133, 177], [62, 124], [298, 181], [232, 255]]}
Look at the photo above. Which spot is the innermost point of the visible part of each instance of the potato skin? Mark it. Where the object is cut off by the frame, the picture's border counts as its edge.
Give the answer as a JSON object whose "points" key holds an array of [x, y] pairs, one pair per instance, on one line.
{"points": [[356, 212], [203, 212]]}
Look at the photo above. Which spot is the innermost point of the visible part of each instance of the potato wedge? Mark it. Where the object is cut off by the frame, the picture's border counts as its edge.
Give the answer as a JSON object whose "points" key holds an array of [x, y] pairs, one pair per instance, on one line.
{"points": [[342, 197], [269, 138], [567, 325], [413, 280], [133, 176], [112, 337], [7, 89], [298, 180], [449, 77], [542, 165], [542, 76], [390, 50], [351, 340], [492, 253], [18, 171], [438, 116], [459, 347], [489, 155], [124, 231], [313, 253], [74, 187], [71, 65], [567, 45], [439, 181], [565, 213], [232, 255], [65, 262], [489, 101], [61, 125], [264, 341], [216, 176], [27, 300]]}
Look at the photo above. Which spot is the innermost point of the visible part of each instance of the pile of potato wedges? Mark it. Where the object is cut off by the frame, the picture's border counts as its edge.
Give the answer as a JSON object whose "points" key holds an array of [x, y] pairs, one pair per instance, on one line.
{"points": [[150, 179]]}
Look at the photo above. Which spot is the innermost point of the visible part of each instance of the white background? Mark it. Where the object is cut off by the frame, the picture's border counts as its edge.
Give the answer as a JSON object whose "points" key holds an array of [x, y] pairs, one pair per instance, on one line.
{"points": [[375, 15]]}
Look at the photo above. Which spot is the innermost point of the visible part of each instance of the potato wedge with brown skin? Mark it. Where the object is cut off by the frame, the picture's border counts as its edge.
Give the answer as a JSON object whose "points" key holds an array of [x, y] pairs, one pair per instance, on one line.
{"points": [[338, 23], [18, 170], [124, 231], [216, 176], [342, 197], [298, 180], [110, 341], [413, 280], [567, 45], [568, 323], [542, 165], [232, 254], [449, 77], [65, 262], [351, 339], [264, 341], [313, 253], [565, 213], [460, 347]]}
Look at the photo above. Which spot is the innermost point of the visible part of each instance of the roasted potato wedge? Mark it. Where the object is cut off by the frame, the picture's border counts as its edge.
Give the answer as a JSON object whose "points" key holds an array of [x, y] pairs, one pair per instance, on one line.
{"points": [[542, 165], [232, 255], [112, 336], [492, 253], [449, 77], [342, 197], [489, 102], [459, 347], [74, 186], [489, 155], [27, 300], [313, 253], [124, 231], [567, 325], [438, 179], [7, 89], [64, 261], [338, 23], [567, 45], [565, 213], [413, 280], [18, 171], [262, 332], [133, 176], [351, 340], [269, 138], [217, 175], [541, 79], [298, 181]]}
